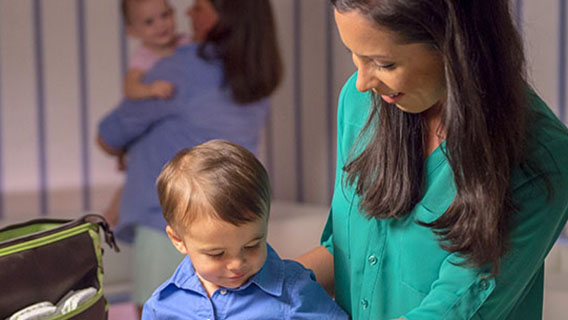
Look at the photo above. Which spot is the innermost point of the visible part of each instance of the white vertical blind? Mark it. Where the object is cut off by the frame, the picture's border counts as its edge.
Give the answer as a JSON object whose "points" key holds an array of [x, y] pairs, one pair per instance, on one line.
{"points": [[18, 132], [61, 67]]}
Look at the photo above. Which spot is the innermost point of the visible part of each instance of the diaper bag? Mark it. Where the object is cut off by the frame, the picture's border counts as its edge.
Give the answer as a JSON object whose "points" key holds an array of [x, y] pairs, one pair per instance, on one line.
{"points": [[45, 261]]}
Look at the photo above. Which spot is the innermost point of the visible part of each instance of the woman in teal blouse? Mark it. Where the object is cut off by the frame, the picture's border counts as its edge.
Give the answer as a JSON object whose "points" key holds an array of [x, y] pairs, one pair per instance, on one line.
{"points": [[452, 175]]}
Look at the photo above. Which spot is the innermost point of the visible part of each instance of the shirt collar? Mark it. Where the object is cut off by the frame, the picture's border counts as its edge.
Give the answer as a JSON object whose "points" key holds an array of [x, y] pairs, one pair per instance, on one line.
{"points": [[185, 278], [270, 278]]}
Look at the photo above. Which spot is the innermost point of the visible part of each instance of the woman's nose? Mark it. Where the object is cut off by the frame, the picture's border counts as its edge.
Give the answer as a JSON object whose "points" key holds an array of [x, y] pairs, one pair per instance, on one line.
{"points": [[366, 80]]}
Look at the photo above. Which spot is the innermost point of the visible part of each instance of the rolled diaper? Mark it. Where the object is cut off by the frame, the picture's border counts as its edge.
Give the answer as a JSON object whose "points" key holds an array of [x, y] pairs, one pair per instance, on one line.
{"points": [[73, 299], [37, 311], [45, 309]]}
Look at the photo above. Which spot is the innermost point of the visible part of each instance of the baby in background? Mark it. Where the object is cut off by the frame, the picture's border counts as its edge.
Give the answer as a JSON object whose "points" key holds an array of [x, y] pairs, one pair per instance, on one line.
{"points": [[152, 22], [215, 198]]}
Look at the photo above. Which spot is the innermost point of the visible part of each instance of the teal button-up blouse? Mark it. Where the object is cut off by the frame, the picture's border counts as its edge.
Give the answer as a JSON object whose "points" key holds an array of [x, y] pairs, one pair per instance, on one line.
{"points": [[387, 269]]}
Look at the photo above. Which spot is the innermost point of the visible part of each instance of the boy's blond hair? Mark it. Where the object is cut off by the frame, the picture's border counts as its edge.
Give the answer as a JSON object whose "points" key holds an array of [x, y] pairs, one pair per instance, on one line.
{"points": [[217, 178]]}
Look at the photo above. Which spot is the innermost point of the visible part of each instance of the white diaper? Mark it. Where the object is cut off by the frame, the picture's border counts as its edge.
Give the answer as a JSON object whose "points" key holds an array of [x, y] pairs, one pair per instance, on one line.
{"points": [[74, 299], [45, 310], [38, 311]]}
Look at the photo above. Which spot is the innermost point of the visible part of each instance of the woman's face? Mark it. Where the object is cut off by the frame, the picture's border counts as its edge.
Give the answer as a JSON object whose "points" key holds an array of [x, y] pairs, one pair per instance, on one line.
{"points": [[411, 76], [203, 18]]}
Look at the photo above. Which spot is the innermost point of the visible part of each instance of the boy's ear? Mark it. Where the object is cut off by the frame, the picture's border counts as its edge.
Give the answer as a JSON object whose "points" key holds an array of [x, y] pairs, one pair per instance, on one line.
{"points": [[176, 240]]}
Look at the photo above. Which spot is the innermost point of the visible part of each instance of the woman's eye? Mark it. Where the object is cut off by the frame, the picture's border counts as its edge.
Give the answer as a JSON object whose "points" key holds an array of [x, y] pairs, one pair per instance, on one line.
{"points": [[384, 66], [148, 22]]}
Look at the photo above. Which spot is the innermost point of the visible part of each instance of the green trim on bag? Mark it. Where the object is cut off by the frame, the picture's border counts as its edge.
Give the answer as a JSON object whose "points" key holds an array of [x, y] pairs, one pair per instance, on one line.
{"points": [[51, 239], [26, 230], [99, 253]]}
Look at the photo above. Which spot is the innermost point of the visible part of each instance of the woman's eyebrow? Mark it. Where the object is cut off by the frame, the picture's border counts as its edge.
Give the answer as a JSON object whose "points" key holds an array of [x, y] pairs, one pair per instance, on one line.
{"points": [[380, 57], [374, 56]]}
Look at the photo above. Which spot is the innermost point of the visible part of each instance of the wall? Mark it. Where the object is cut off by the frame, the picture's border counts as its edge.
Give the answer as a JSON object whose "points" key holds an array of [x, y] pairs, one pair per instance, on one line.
{"points": [[61, 65]]}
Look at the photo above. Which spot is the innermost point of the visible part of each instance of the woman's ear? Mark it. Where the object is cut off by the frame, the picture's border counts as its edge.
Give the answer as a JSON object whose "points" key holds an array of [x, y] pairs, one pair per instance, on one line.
{"points": [[176, 240]]}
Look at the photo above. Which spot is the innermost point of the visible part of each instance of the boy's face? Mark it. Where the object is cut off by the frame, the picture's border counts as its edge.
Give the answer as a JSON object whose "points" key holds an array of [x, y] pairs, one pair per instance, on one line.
{"points": [[152, 21], [223, 255]]}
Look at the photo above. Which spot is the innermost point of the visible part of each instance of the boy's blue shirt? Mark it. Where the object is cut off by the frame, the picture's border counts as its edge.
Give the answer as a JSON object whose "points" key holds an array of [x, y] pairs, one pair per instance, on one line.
{"points": [[282, 289]]}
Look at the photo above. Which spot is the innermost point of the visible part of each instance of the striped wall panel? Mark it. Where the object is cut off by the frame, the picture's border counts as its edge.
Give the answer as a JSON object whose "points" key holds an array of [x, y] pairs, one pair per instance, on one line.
{"points": [[103, 50], [61, 69], [1, 158], [19, 126]]}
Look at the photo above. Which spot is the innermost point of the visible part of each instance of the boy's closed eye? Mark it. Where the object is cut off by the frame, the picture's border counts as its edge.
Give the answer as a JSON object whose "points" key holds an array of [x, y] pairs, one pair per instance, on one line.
{"points": [[215, 255], [220, 254], [252, 246]]}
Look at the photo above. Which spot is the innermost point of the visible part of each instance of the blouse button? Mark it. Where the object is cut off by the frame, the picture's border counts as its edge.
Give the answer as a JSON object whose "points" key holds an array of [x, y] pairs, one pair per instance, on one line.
{"points": [[223, 292], [373, 260], [364, 303], [484, 284]]}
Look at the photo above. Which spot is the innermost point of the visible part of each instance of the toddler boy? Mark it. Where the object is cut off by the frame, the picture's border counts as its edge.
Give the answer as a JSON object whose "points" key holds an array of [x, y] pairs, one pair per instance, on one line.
{"points": [[216, 200]]}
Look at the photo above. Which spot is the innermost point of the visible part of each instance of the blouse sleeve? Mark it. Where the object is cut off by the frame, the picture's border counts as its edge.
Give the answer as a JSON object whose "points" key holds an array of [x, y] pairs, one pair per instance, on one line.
{"points": [[344, 144], [131, 119]]}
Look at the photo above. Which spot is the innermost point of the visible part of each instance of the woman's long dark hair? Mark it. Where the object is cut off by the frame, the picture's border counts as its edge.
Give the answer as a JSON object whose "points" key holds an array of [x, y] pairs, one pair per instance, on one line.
{"points": [[484, 120], [245, 40]]}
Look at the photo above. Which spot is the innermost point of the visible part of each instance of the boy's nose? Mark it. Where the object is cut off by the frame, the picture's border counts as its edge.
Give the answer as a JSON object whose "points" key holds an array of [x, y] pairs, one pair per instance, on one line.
{"points": [[236, 265]]}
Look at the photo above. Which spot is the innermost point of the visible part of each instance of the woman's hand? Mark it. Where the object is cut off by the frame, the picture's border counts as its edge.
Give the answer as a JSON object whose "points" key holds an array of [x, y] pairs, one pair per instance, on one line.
{"points": [[162, 89], [112, 212], [108, 149], [121, 162]]}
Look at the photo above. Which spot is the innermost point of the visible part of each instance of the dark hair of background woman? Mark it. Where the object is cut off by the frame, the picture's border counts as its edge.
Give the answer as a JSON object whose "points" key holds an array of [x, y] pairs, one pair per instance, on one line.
{"points": [[484, 120], [245, 39]]}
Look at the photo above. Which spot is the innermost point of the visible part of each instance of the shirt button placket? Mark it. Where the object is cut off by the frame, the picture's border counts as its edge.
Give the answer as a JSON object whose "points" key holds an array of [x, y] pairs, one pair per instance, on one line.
{"points": [[364, 303], [371, 270], [484, 284], [372, 259]]}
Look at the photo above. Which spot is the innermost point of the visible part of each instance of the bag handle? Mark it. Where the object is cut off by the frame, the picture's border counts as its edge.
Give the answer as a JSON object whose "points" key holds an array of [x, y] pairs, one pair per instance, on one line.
{"points": [[100, 220]]}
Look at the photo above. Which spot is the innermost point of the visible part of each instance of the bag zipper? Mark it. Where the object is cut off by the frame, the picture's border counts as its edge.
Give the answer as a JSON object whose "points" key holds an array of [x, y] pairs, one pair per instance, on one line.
{"points": [[94, 219]]}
